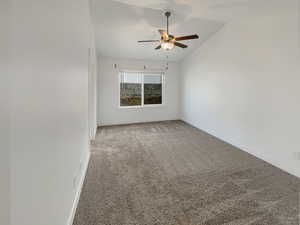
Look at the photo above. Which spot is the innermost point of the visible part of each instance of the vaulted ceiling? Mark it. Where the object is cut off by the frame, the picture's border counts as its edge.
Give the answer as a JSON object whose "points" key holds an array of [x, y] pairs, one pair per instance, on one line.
{"points": [[119, 24]]}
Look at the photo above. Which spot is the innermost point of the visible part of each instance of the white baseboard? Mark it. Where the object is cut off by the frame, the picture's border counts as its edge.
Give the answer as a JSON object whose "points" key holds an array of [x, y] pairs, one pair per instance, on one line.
{"points": [[78, 191], [134, 122]]}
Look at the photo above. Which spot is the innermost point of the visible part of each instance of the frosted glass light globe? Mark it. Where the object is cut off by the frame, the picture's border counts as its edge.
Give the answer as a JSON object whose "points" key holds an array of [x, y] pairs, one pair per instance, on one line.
{"points": [[167, 45]]}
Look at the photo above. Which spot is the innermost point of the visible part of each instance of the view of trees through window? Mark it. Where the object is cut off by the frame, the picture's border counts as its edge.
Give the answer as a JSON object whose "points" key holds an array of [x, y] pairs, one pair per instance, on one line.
{"points": [[138, 89], [152, 89]]}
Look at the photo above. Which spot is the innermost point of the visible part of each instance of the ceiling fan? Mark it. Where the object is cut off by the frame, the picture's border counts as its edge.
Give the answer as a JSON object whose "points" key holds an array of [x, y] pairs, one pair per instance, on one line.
{"points": [[168, 41]]}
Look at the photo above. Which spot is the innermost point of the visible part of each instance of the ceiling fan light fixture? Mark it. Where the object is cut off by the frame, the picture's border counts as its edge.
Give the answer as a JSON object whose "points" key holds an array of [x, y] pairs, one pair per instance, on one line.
{"points": [[168, 41], [167, 45]]}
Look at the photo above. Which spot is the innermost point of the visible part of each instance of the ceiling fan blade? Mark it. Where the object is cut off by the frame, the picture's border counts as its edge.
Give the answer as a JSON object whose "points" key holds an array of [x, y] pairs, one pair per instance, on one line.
{"points": [[164, 34], [189, 37], [149, 41], [158, 47], [180, 45]]}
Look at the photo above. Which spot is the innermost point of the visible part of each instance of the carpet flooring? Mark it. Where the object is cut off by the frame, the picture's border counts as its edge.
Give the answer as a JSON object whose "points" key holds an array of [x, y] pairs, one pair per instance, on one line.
{"points": [[169, 173]]}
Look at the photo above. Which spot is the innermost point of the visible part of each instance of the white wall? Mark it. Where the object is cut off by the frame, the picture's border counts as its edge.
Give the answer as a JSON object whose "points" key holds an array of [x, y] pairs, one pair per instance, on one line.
{"points": [[5, 78], [109, 111], [92, 85], [243, 85], [50, 129]]}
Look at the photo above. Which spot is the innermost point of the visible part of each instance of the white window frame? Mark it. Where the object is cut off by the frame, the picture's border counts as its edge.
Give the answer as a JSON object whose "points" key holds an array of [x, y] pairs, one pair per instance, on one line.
{"points": [[142, 73]]}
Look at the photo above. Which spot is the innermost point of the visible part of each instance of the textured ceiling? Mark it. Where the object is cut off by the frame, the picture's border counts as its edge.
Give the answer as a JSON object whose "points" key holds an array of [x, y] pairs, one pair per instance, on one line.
{"points": [[119, 24]]}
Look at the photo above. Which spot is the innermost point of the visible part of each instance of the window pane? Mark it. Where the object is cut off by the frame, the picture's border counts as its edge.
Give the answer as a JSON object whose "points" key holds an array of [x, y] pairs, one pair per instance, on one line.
{"points": [[130, 89], [152, 89]]}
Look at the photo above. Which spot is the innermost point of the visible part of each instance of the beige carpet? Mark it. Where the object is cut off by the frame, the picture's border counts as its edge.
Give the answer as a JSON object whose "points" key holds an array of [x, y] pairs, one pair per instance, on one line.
{"points": [[169, 173]]}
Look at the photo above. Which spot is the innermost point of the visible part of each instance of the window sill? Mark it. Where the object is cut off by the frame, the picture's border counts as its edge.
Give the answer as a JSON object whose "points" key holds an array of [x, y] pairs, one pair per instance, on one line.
{"points": [[141, 107]]}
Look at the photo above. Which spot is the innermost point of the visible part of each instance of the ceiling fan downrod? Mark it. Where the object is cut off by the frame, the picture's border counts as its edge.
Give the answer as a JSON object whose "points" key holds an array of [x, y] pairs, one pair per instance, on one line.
{"points": [[168, 14]]}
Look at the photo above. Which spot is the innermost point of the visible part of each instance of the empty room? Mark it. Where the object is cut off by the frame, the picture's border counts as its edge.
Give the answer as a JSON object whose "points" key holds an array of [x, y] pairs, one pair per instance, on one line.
{"points": [[150, 112]]}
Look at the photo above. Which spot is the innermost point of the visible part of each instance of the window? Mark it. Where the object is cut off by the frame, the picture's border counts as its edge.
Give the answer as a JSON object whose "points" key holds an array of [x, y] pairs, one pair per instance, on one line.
{"points": [[152, 89], [130, 89], [141, 89]]}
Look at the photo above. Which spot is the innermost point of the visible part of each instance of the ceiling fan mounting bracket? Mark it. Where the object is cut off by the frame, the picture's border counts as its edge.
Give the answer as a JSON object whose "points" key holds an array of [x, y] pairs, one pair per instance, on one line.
{"points": [[168, 14]]}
